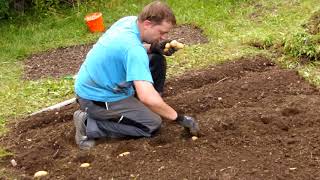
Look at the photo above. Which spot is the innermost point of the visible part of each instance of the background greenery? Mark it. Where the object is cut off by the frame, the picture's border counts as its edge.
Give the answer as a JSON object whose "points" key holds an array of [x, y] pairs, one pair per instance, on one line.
{"points": [[232, 26]]}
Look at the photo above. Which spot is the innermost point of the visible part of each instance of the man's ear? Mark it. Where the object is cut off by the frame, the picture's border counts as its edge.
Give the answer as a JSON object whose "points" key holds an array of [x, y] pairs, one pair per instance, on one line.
{"points": [[147, 23]]}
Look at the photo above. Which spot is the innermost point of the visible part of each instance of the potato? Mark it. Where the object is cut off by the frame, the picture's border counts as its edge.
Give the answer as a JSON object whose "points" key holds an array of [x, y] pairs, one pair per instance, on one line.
{"points": [[194, 138], [166, 50], [167, 46], [124, 154], [40, 174], [84, 165], [173, 43], [180, 45]]}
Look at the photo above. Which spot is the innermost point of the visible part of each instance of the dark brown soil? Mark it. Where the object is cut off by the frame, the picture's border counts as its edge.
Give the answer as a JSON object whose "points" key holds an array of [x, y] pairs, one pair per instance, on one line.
{"points": [[257, 122], [63, 62], [188, 34]]}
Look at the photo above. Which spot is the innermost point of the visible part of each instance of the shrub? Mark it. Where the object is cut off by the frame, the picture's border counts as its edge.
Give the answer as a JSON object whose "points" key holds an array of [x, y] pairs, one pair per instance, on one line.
{"points": [[4, 8], [38, 7], [45, 6]]}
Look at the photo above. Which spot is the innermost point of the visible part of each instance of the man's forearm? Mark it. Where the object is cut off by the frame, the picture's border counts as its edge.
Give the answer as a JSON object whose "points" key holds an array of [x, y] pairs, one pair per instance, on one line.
{"points": [[152, 99], [164, 110]]}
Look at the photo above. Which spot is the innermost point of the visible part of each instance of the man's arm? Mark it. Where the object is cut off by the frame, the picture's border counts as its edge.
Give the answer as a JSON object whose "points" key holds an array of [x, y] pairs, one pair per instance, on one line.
{"points": [[151, 98]]}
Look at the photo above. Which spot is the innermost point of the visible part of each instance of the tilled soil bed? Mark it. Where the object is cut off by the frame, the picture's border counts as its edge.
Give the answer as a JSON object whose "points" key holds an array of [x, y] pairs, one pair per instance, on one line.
{"points": [[258, 121]]}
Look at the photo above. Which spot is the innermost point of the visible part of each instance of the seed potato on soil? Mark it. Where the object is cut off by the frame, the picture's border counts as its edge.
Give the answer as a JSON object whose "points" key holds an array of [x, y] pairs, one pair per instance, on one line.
{"points": [[40, 174]]}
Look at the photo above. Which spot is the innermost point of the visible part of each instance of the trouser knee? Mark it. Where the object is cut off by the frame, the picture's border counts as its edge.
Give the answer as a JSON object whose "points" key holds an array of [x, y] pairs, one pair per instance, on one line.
{"points": [[156, 124]]}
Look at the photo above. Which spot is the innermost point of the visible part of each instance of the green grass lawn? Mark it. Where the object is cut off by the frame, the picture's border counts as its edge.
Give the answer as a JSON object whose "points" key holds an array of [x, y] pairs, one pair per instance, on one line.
{"points": [[229, 24]]}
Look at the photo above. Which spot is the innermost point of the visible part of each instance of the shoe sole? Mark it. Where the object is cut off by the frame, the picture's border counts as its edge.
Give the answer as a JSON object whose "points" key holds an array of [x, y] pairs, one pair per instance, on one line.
{"points": [[80, 139], [76, 116]]}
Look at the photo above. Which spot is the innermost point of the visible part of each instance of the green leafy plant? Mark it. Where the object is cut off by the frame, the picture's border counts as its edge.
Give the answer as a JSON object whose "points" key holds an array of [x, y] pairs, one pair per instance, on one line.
{"points": [[4, 153], [302, 45], [264, 43]]}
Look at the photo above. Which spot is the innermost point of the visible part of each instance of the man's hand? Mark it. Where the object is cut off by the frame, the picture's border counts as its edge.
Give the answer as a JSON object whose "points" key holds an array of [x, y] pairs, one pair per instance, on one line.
{"points": [[159, 47], [189, 123]]}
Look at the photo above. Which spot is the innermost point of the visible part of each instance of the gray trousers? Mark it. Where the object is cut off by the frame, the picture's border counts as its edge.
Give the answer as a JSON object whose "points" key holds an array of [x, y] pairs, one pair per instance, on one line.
{"points": [[127, 117]]}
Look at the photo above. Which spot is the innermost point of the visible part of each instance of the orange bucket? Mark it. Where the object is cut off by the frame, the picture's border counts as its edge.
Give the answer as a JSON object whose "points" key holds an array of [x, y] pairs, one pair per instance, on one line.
{"points": [[95, 22]]}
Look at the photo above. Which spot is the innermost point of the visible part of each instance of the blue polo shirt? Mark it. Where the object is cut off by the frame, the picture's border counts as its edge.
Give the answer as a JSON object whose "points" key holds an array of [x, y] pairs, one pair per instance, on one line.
{"points": [[114, 62]]}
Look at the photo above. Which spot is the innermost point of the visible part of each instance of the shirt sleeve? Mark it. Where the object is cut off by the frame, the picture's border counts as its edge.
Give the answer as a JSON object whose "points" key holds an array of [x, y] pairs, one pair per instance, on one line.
{"points": [[137, 65]]}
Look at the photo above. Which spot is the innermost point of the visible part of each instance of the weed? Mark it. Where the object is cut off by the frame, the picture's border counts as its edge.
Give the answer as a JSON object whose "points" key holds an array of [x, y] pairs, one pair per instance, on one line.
{"points": [[311, 73], [264, 43], [4, 153], [302, 45]]}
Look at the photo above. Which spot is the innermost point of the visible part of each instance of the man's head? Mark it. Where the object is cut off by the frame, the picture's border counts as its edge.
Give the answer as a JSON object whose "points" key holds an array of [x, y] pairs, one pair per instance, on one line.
{"points": [[155, 21]]}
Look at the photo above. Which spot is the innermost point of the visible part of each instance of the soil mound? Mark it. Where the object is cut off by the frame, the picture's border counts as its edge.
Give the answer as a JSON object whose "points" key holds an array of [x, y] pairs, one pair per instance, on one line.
{"points": [[258, 122], [188, 34], [57, 63], [66, 61]]}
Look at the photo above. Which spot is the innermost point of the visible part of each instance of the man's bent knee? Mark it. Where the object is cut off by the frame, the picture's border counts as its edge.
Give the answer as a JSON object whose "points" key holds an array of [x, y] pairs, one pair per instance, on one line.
{"points": [[156, 124]]}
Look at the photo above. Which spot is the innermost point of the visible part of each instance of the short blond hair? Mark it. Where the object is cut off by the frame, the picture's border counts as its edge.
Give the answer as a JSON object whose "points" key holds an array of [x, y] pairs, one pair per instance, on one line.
{"points": [[157, 12]]}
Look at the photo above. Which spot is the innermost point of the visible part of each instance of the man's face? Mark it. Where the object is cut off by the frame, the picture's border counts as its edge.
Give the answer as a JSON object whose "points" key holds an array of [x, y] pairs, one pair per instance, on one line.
{"points": [[155, 32]]}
